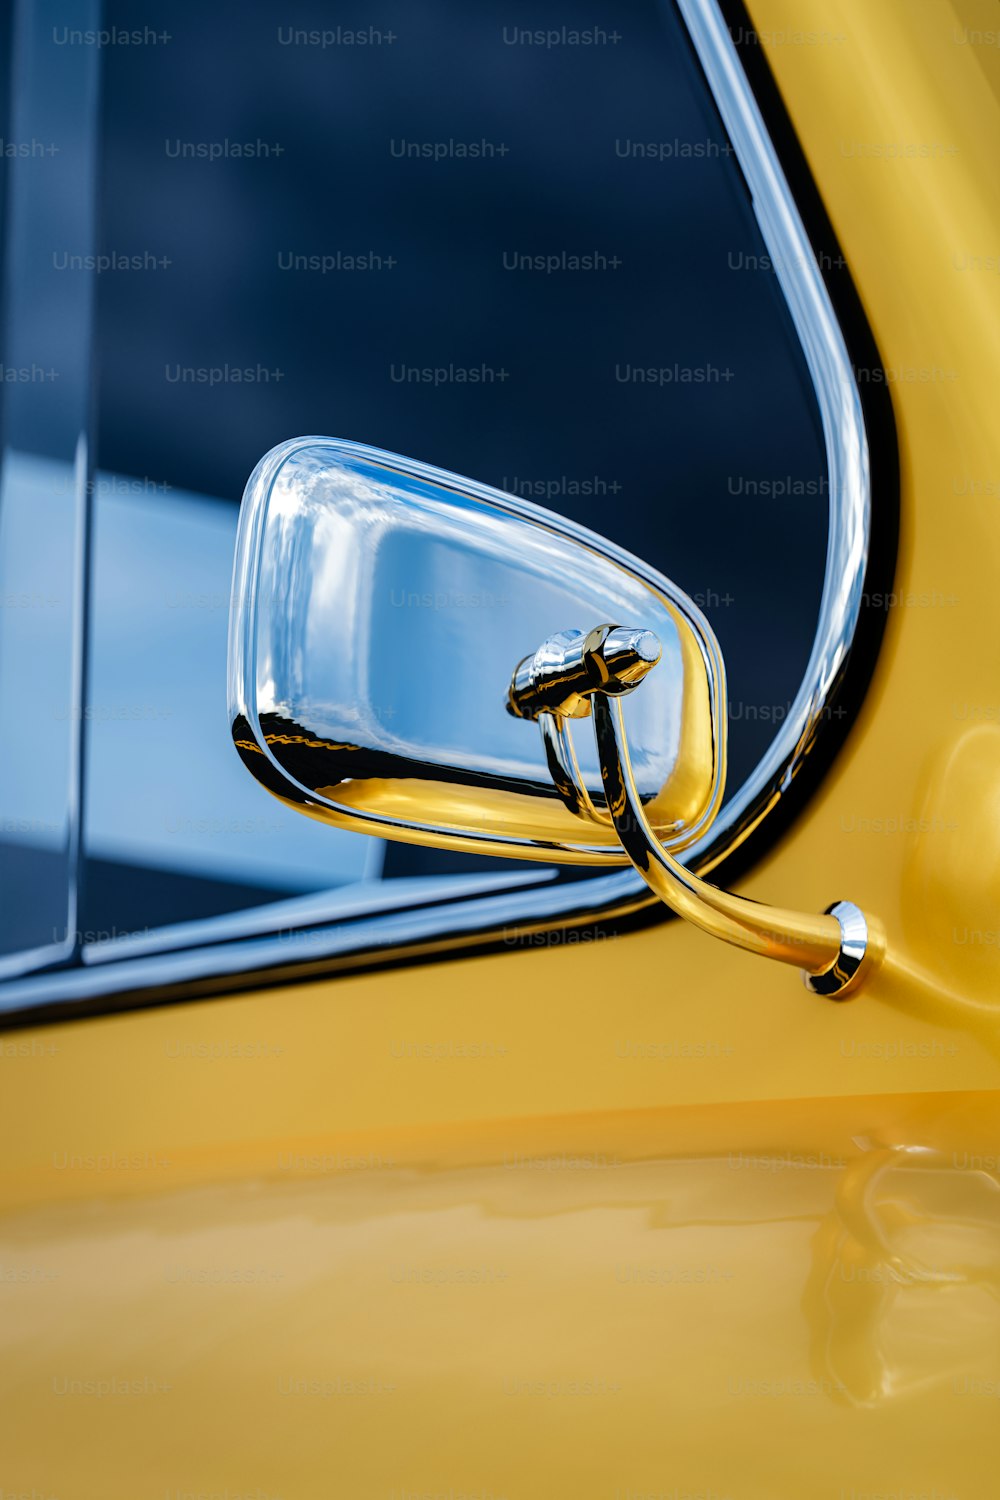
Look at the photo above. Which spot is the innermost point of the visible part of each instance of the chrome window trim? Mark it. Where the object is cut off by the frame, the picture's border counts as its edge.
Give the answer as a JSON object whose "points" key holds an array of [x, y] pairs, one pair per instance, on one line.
{"points": [[510, 919], [513, 917], [844, 433]]}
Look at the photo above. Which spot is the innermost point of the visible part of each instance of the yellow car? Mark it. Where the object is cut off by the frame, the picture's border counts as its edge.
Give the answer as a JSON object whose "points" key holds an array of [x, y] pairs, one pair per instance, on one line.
{"points": [[595, 1094]]}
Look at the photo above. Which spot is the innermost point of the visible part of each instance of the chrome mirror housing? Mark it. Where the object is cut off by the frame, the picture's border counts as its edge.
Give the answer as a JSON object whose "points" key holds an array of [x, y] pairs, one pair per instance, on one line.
{"points": [[396, 631], [379, 608]]}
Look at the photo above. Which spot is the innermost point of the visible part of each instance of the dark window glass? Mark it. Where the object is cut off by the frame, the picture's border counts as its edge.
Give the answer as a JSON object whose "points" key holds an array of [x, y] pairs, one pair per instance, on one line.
{"points": [[306, 213]]}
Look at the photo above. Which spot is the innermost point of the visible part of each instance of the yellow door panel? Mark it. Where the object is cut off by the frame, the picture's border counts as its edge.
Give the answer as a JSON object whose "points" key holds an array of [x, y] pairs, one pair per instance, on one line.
{"points": [[629, 1216], [786, 1299]]}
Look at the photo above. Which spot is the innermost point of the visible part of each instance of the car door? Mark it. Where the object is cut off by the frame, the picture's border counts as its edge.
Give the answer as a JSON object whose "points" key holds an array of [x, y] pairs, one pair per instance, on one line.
{"points": [[340, 1166]]}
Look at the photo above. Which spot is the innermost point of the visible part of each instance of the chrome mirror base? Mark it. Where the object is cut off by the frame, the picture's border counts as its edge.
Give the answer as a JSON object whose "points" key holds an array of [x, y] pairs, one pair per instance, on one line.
{"points": [[843, 978], [576, 676]]}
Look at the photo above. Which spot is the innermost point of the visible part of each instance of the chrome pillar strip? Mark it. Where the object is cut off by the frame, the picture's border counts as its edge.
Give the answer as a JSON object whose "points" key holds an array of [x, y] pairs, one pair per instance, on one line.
{"points": [[843, 430]]}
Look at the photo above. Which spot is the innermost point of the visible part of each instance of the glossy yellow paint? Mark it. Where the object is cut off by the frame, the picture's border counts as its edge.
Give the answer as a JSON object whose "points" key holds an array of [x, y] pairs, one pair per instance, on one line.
{"points": [[323, 1137], [776, 1300]]}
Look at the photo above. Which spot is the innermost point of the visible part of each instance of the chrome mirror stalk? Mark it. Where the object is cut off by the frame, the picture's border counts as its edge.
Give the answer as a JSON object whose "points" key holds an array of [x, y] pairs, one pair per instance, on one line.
{"points": [[573, 676]]}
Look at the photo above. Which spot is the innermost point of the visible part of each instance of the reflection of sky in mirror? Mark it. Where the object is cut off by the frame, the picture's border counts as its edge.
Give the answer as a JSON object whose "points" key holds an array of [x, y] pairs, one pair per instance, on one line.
{"points": [[392, 612]]}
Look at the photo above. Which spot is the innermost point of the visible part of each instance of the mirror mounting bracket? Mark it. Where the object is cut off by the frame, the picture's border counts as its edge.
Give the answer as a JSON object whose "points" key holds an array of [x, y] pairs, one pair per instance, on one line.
{"points": [[574, 675]]}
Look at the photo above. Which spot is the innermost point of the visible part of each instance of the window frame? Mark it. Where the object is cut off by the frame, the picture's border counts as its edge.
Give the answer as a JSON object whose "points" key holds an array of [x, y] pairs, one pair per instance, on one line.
{"points": [[860, 444]]}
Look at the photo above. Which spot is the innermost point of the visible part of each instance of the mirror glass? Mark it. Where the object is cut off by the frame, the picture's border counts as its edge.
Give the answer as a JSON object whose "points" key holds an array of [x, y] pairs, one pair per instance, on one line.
{"points": [[380, 607]]}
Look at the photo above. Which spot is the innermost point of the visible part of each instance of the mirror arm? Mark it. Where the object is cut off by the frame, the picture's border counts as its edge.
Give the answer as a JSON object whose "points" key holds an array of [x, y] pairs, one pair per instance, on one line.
{"points": [[565, 770], [576, 676], [834, 951]]}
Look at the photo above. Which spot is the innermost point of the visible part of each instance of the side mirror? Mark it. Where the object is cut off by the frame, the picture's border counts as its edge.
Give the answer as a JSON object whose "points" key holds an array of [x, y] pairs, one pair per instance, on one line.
{"points": [[394, 631]]}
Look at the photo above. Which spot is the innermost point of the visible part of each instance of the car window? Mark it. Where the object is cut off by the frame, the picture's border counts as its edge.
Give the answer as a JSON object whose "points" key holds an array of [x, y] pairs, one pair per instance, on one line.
{"points": [[524, 253]]}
